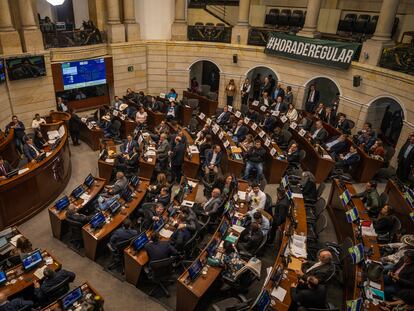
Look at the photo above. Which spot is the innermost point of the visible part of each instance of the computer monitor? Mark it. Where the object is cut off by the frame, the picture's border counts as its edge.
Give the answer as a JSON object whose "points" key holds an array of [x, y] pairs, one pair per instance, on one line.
{"points": [[69, 299], [114, 207], [127, 194], [263, 302], [89, 181], [212, 247], [77, 192], [171, 210], [223, 228], [195, 269], [289, 193], [97, 220], [285, 181], [3, 277], [140, 241], [134, 181], [32, 260], [159, 224], [62, 203]]}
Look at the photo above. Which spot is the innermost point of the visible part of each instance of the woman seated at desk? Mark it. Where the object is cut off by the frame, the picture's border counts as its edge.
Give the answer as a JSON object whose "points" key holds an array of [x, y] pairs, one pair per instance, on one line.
{"points": [[154, 189], [23, 248], [231, 260]]}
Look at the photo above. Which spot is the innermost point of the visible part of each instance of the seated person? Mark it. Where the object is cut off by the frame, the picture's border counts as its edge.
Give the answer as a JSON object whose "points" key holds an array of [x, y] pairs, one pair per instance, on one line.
{"points": [[304, 122], [269, 122], [200, 138], [128, 145], [30, 150], [131, 95], [250, 239], [117, 102], [346, 161], [240, 131], [308, 186], [343, 124], [279, 136], [51, 279], [37, 121], [293, 154], [385, 221], [330, 116], [401, 277], [155, 188], [39, 141], [150, 214], [319, 135], [280, 212], [231, 260], [377, 149], [154, 105], [104, 201], [265, 100], [158, 250], [323, 269], [397, 250], [367, 128], [213, 160], [371, 198], [120, 184], [256, 197], [181, 235], [247, 143], [206, 144], [73, 214], [122, 234], [257, 217], [308, 294], [405, 300], [254, 159], [191, 221], [5, 168], [224, 117], [164, 197], [320, 111], [129, 161], [252, 115], [279, 105], [23, 248], [141, 117], [366, 141], [337, 146], [211, 206], [292, 113], [14, 304], [172, 112], [172, 95]]}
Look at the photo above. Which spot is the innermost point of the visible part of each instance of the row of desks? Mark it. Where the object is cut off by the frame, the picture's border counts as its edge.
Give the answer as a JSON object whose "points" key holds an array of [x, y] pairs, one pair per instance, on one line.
{"points": [[206, 106]]}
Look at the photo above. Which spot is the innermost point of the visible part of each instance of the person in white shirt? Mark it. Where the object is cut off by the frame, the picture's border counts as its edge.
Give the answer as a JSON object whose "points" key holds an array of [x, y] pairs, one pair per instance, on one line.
{"points": [[117, 102], [141, 116], [256, 197], [292, 113], [37, 121], [61, 106], [245, 90]]}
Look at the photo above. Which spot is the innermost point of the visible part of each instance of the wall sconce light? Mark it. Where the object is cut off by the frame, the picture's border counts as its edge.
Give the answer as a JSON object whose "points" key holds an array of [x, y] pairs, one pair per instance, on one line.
{"points": [[55, 2]]}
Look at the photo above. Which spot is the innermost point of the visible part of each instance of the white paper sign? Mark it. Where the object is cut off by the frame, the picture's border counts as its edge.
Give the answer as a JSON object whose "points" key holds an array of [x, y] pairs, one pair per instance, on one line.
{"points": [[226, 143], [162, 95], [293, 125], [221, 135], [254, 126], [202, 116], [246, 120], [115, 112], [267, 142], [263, 108], [302, 132], [215, 130], [262, 133], [255, 103], [272, 152], [208, 121], [283, 119], [238, 114], [276, 113], [230, 108]]}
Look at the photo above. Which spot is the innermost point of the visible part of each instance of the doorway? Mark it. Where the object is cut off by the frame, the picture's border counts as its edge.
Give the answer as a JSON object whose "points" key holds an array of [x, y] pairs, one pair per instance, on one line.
{"points": [[207, 75], [328, 91]]}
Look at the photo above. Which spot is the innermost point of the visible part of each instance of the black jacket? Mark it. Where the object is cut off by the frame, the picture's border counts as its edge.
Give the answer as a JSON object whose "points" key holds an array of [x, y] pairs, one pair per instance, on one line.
{"points": [[322, 272], [83, 219], [320, 137], [224, 119], [384, 224], [281, 211], [74, 122], [256, 155], [160, 250], [410, 159], [16, 304], [344, 127], [121, 235], [309, 298], [250, 241], [48, 284], [309, 191], [406, 275], [177, 157], [294, 157], [241, 133]]}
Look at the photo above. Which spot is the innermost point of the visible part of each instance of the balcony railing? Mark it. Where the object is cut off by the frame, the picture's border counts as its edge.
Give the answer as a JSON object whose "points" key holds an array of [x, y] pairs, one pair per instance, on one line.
{"points": [[209, 33], [203, 3], [399, 58]]}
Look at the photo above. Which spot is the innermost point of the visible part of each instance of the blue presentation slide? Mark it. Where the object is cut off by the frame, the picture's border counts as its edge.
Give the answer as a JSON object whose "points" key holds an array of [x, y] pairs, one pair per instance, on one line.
{"points": [[83, 73]]}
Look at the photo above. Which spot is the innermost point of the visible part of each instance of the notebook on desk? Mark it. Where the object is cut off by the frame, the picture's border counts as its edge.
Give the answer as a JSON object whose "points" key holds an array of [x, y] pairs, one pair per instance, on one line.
{"points": [[39, 272]]}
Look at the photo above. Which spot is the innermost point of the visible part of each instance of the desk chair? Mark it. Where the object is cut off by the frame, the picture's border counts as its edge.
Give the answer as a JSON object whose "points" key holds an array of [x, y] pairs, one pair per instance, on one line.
{"points": [[257, 253], [55, 292], [160, 273], [314, 231], [118, 254], [75, 233], [239, 284], [314, 212], [238, 303], [190, 247], [339, 254], [203, 222]]}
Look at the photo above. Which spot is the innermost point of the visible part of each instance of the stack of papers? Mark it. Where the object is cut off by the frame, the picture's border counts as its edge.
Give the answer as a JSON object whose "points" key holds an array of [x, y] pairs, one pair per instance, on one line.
{"points": [[242, 195], [238, 229], [39, 272], [368, 231], [298, 246], [110, 160], [13, 240], [23, 170], [166, 233], [150, 153], [194, 149], [279, 293], [187, 203], [192, 183]]}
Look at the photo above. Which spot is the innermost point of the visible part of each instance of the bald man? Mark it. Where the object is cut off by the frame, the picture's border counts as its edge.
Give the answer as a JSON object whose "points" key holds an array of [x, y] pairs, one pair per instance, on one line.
{"points": [[322, 269], [211, 206], [14, 304], [120, 184]]}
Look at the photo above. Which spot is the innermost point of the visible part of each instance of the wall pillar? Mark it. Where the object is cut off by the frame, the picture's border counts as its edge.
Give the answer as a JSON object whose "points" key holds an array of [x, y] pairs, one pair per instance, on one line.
{"points": [[132, 31], [372, 48], [311, 21], [179, 27], [116, 30], [30, 33], [240, 32], [9, 37]]}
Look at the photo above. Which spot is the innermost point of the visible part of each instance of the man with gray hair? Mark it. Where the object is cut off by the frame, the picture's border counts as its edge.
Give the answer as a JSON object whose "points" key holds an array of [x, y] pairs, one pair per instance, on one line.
{"points": [[323, 269]]}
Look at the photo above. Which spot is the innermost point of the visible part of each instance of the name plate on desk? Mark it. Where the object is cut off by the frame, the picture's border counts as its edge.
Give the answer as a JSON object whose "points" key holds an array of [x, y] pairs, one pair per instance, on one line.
{"points": [[273, 152], [238, 114], [255, 103], [221, 135], [267, 142], [262, 133], [226, 143], [216, 128], [283, 119], [254, 126], [202, 116], [293, 125], [302, 132], [276, 113], [208, 121], [162, 95], [246, 120], [263, 108], [230, 108], [115, 113]]}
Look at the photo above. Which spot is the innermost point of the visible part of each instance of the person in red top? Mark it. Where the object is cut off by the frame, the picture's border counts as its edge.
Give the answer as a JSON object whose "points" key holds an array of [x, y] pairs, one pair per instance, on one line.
{"points": [[377, 149]]}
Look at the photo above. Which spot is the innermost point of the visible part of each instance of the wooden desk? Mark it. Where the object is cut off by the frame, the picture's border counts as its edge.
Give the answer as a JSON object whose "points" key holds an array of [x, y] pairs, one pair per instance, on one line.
{"points": [[207, 106], [46, 181], [191, 165], [57, 218], [57, 116], [87, 290], [154, 118], [92, 240], [24, 279], [91, 136], [134, 262], [186, 114], [105, 169], [352, 273], [127, 127], [402, 208], [8, 149]]}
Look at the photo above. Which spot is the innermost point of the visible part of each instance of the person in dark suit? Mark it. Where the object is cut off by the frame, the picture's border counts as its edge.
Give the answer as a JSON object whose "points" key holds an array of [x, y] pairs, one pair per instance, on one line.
{"points": [[265, 100], [224, 117], [337, 146], [129, 162], [279, 105], [240, 131], [267, 86], [293, 154], [371, 198], [51, 279], [172, 112], [73, 214], [181, 235], [401, 277], [343, 124], [312, 99], [30, 150], [269, 122], [15, 304], [213, 160], [74, 123], [154, 105], [120, 184], [252, 115], [348, 160], [254, 160], [164, 197], [280, 213], [38, 140], [211, 206], [330, 116], [323, 269], [319, 135], [320, 111], [308, 186], [150, 214], [128, 145], [158, 250], [123, 234], [19, 132], [308, 294], [250, 239], [177, 159], [5, 168], [279, 91], [406, 159], [385, 221], [191, 221]]}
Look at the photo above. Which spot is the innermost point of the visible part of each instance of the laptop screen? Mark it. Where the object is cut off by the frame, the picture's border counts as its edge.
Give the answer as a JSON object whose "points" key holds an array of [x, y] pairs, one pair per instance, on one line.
{"points": [[263, 302], [71, 298], [3, 277], [134, 181], [126, 194], [97, 220], [62, 203], [32, 260], [78, 192], [159, 224], [89, 180], [140, 241], [195, 269], [223, 228], [114, 207]]}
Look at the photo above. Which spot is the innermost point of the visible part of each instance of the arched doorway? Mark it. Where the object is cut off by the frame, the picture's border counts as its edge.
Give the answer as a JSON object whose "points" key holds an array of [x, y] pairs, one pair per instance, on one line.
{"points": [[328, 91], [207, 75], [387, 116], [256, 77]]}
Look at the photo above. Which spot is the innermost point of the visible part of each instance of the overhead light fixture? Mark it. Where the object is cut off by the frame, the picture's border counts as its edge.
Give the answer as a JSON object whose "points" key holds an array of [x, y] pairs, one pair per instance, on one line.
{"points": [[55, 2]]}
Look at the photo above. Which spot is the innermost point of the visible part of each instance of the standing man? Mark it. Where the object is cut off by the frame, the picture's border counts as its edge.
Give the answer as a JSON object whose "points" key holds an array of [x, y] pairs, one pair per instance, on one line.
{"points": [[19, 133], [74, 122], [406, 159], [177, 159], [254, 160], [37, 121], [313, 99]]}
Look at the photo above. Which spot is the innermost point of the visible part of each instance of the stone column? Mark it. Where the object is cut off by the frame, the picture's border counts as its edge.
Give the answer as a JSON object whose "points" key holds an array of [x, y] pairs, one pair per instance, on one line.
{"points": [[116, 30], [131, 26], [311, 21], [9, 37], [30, 33], [372, 48], [179, 27], [240, 32]]}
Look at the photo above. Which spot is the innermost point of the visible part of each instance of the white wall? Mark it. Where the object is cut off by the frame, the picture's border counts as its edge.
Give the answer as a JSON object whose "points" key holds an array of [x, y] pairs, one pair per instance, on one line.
{"points": [[80, 11], [155, 18], [44, 9]]}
